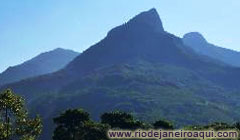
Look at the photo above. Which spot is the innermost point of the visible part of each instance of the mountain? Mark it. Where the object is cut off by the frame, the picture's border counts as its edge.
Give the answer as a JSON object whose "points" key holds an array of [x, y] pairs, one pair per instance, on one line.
{"points": [[141, 68], [199, 44], [44, 63]]}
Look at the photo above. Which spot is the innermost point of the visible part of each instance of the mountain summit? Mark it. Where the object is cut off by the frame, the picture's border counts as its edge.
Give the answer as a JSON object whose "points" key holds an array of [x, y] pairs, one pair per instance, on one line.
{"points": [[44, 63], [195, 38], [147, 20], [141, 38], [199, 44]]}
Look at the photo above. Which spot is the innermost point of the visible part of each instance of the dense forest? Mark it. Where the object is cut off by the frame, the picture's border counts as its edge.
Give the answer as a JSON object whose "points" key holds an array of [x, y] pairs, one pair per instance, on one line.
{"points": [[76, 124]]}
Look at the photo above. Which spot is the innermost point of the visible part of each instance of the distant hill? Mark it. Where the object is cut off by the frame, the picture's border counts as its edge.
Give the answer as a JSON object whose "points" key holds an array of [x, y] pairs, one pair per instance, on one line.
{"points": [[44, 63], [141, 68], [198, 43]]}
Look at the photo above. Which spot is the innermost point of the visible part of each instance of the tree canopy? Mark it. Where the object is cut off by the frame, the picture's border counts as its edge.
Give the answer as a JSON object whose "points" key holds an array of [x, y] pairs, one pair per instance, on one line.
{"points": [[122, 120], [14, 120], [76, 124]]}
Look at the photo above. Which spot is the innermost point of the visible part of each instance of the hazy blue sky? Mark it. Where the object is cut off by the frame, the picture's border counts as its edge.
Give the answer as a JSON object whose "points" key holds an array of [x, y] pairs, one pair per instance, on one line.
{"points": [[29, 27]]}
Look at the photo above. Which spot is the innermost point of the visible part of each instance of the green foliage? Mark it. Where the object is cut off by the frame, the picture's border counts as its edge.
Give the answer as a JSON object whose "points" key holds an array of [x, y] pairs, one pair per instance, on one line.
{"points": [[76, 124], [14, 121], [70, 124], [95, 131], [86, 129], [237, 125], [163, 124], [213, 126], [219, 126], [122, 120], [72, 118], [145, 89], [13, 103]]}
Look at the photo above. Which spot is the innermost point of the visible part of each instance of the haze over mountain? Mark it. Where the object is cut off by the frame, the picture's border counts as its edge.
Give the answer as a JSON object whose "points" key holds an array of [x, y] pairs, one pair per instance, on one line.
{"points": [[141, 68], [44, 63], [198, 43]]}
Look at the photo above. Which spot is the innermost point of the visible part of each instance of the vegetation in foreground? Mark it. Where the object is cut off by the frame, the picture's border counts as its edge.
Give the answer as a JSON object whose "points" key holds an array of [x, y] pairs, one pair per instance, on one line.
{"points": [[76, 124], [14, 120]]}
